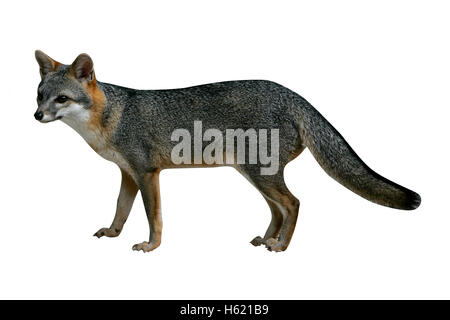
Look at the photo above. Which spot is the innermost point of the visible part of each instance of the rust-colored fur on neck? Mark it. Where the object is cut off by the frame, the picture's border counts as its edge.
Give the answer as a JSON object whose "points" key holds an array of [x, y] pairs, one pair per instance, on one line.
{"points": [[98, 104]]}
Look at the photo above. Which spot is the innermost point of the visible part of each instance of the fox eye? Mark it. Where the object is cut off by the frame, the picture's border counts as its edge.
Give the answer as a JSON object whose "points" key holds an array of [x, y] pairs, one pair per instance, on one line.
{"points": [[61, 99], [39, 97]]}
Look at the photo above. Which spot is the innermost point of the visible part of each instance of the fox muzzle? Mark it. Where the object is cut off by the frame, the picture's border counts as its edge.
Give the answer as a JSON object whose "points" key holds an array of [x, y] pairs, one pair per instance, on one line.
{"points": [[39, 115]]}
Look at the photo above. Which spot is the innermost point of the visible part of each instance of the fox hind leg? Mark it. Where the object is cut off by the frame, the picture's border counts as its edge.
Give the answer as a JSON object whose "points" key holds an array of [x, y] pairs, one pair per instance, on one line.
{"points": [[275, 224], [289, 206], [284, 207]]}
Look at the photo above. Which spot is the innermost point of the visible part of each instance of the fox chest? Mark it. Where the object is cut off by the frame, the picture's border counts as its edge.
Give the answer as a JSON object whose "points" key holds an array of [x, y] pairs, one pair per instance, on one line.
{"points": [[109, 153], [103, 147], [99, 142]]}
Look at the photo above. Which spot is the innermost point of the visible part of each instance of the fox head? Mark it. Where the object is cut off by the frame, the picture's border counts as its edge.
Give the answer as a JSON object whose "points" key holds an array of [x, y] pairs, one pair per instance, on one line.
{"points": [[65, 92]]}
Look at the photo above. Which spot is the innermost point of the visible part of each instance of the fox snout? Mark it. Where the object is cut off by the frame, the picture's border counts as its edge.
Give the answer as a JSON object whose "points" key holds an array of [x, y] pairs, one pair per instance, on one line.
{"points": [[44, 115], [38, 115]]}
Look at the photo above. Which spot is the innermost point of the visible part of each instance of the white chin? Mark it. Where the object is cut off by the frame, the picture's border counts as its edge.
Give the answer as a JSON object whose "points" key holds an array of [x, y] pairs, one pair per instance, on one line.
{"points": [[47, 118]]}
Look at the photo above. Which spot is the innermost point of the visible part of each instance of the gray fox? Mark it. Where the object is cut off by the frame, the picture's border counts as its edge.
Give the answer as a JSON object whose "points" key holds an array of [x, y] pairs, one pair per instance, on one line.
{"points": [[134, 128]]}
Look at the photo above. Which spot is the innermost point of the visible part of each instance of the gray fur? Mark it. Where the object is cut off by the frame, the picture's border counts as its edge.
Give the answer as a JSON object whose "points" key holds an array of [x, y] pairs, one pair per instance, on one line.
{"points": [[153, 115]]}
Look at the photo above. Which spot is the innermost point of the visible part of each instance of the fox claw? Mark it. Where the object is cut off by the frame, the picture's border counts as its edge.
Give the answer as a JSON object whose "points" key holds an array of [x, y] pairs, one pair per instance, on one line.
{"points": [[271, 244], [108, 232], [257, 241], [274, 245], [145, 246]]}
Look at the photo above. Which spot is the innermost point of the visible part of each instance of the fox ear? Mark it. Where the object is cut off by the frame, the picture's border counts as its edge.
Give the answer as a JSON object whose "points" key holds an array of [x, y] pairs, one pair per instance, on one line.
{"points": [[46, 64], [83, 68]]}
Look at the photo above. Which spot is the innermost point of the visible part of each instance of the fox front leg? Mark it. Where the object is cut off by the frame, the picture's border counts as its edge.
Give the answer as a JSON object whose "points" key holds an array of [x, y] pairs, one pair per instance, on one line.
{"points": [[151, 197], [128, 191]]}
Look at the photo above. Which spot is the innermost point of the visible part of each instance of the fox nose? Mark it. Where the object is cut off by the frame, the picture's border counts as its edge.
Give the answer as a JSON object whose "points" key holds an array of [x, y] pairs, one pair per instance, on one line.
{"points": [[38, 115]]}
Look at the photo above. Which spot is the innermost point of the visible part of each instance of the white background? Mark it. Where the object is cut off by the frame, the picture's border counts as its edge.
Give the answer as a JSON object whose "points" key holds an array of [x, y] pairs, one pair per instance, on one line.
{"points": [[378, 71]]}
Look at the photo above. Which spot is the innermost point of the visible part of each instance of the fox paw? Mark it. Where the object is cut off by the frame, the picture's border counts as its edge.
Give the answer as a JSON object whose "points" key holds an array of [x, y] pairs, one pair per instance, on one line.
{"points": [[274, 245], [257, 241], [145, 246], [107, 232]]}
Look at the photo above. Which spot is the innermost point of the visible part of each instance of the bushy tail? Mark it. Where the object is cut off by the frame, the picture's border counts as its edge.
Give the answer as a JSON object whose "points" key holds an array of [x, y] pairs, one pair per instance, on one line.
{"points": [[339, 160]]}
